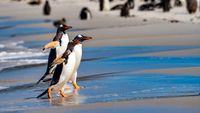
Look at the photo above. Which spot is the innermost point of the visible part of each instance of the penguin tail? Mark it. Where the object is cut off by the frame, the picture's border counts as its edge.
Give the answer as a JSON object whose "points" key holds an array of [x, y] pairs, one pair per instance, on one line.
{"points": [[47, 80], [42, 78], [42, 93]]}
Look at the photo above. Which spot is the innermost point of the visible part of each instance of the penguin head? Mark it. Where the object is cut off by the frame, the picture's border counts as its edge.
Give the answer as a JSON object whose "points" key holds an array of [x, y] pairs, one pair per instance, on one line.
{"points": [[85, 9], [63, 27], [81, 38]]}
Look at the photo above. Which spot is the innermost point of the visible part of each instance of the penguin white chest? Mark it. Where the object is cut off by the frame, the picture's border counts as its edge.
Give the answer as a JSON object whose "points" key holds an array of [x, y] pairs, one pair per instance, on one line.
{"points": [[78, 53], [68, 68], [63, 46]]}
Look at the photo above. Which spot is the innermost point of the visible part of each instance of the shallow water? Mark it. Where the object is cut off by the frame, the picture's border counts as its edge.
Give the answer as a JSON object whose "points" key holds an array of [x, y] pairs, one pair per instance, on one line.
{"points": [[106, 88], [105, 80]]}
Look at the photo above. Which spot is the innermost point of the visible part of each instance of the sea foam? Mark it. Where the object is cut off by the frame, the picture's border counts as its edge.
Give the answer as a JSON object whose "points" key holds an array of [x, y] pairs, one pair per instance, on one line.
{"points": [[14, 54]]}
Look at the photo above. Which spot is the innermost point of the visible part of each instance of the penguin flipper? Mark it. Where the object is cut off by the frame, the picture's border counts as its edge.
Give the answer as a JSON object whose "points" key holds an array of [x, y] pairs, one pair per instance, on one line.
{"points": [[46, 91], [57, 61]]}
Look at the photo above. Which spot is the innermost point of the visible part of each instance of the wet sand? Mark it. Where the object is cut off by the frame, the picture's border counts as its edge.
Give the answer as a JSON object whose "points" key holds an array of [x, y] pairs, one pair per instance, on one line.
{"points": [[177, 71], [123, 50], [173, 105]]}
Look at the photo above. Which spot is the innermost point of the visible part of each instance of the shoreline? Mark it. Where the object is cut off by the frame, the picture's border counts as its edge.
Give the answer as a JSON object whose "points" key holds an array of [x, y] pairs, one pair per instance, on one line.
{"points": [[176, 104]]}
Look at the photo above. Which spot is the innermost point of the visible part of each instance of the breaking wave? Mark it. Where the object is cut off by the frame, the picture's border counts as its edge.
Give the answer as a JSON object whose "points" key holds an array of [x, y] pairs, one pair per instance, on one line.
{"points": [[14, 54], [19, 55], [2, 87]]}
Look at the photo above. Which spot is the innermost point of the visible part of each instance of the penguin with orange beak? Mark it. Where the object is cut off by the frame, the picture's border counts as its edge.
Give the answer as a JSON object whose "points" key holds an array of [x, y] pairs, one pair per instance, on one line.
{"points": [[65, 67], [78, 51], [59, 45]]}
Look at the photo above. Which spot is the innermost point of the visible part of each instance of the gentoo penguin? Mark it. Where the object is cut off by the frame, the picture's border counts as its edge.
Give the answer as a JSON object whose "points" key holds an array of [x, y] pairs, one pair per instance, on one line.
{"points": [[58, 22], [125, 11], [104, 5], [191, 6], [149, 6], [63, 71], [60, 42], [47, 8], [35, 2], [65, 67], [166, 5], [85, 14], [178, 3], [131, 3], [78, 51]]}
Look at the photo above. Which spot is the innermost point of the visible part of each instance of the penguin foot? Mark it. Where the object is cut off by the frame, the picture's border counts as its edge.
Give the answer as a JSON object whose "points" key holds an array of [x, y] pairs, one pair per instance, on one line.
{"points": [[62, 93], [76, 86], [49, 93]]}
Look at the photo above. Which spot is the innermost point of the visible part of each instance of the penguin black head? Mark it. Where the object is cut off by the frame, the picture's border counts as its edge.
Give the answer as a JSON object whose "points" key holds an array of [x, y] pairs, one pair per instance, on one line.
{"points": [[63, 28], [85, 9], [81, 38]]}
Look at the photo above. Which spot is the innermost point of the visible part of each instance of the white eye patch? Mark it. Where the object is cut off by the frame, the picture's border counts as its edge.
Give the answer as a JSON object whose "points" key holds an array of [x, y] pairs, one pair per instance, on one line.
{"points": [[61, 25], [80, 36]]}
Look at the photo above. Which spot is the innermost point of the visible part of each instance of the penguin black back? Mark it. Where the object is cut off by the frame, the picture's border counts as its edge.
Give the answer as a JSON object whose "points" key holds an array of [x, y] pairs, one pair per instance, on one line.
{"points": [[85, 14], [57, 73], [101, 2], [166, 5], [125, 11], [35, 2], [52, 56], [47, 8]]}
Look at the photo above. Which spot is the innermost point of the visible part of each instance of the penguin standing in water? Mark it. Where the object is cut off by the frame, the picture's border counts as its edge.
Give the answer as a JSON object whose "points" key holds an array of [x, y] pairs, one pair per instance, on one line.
{"points": [[85, 14], [59, 44], [47, 8], [78, 52], [63, 71], [65, 67]]}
